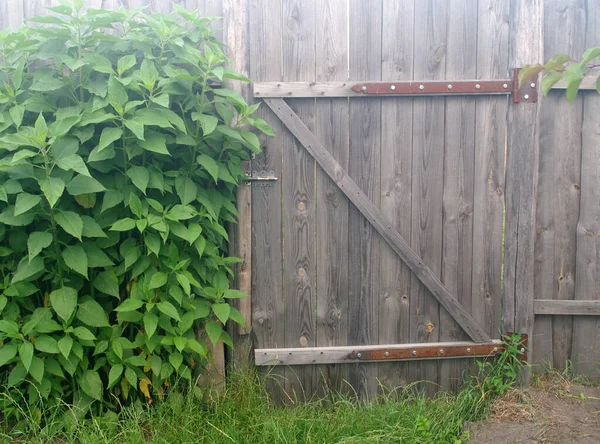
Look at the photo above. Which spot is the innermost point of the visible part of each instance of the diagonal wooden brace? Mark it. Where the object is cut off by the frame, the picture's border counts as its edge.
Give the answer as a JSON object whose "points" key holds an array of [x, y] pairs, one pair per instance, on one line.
{"points": [[334, 170]]}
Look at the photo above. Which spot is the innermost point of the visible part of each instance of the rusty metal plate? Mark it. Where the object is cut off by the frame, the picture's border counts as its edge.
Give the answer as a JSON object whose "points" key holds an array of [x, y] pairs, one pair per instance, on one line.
{"points": [[528, 93], [446, 88]]}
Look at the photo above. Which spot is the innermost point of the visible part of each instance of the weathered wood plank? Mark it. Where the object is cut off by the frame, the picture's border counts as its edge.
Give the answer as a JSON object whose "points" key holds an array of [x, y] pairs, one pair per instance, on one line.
{"points": [[521, 176], [373, 215], [396, 184], [331, 205], [365, 145], [490, 140], [458, 179], [12, 13], [431, 20], [402, 88], [558, 188], [298, 46], [586, 330], [339, 355], [268, 322], [566, 308]]}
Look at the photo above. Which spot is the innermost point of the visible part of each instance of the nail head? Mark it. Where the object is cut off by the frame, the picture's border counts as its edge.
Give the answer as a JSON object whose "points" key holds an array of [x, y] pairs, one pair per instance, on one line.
{"points": [[393, 87]]}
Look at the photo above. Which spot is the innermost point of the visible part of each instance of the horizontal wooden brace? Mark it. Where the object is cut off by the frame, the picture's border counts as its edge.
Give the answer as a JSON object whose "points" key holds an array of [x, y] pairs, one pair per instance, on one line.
{"points": [[566, 307], [376, 353]]}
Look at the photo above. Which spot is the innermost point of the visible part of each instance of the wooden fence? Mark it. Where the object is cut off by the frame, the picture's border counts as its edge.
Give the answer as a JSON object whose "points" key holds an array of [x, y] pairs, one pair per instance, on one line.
{"points": [[500, 201]]}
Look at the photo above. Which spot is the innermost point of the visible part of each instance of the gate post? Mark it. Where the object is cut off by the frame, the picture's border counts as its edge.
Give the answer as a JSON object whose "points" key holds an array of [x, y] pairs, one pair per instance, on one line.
{"points": [[526, 47]]}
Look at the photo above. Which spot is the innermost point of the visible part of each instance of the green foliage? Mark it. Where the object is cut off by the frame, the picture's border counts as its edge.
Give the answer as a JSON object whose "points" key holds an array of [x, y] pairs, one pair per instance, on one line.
{"points": [[562, 67], [120, 156]]}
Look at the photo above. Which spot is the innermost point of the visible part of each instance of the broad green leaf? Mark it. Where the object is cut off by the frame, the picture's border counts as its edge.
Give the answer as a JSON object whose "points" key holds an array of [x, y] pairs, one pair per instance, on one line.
{"points": [[114, 375], [236, 316], [589, 55], [234, 96], [9, 327], [7, 217], [168, 309], [27, 269], [91, 384], [91, 313], [46, 344], [573, 89], [3, 194], [131, 377], [221, 311], [528, 72], [44, 81], [84, 334], [53, 188], [52, 367], [136, 127], [26, 354], [108, 283], [71, 223], [185, 283], [76, 259], [96, 257], [162, 100], [91, 228], [157, 143], [75, 163], [139, 177], [99, 63], [17, 375], [108, 136], [210, 165], [186, 189], [150, 323], [84, 185], [213, 330], [129, 304], [36, 370], [16, 114], [175, 359], [125, 224], [37, 241], [207, 122], [117, 348], [153, 117], [117, 95], [157, 280], [181, 212], [180, 343], [153, 243], [64, 302], [550, 80], [63, 148], [7, 352], [197, 347], [234, 294], [251, 140], [65, 345], [112, 198], [125, 63]]}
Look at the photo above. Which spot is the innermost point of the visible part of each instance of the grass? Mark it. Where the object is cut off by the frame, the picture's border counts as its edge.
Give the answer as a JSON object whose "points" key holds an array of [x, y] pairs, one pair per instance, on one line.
{"points": [[244, 413]]}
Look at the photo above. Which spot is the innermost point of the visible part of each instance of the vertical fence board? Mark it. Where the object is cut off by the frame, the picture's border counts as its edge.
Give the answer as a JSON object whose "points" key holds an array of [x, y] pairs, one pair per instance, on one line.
{"points": [[586, 329], [365, 144], [558, 189], [427, 185], [12, 13], [331, 252], [298, 49], [396, 183], [459, 159], [268, 322], [490, 142]]}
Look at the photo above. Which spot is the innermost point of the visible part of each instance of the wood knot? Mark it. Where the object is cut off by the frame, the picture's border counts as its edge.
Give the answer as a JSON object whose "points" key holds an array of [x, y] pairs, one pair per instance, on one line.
{"points": [[301, 272], [577, 187], [404, 299], [429, 327], [301, 206], [303, 341], [499, 191]]}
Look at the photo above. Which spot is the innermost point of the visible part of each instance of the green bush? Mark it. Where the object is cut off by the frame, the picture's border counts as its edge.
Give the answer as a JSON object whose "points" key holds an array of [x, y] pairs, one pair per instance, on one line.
{"points": [[120, 156]]}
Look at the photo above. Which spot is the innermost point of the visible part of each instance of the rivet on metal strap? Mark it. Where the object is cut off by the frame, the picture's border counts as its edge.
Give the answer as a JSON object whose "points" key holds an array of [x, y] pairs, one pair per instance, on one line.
{"points": [[393, 87], [495, 349], [505, 86], [533, 85], [359, 355], [421, 87], [364, 88], [387, 354], [449, 86], [526, 96], [441, 351], [414, 353], [469, 350], [478, 86]]}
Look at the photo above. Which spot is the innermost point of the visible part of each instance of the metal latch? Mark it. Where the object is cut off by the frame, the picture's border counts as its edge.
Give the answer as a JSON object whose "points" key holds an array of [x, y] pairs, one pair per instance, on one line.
{"points": [[264, 178]]}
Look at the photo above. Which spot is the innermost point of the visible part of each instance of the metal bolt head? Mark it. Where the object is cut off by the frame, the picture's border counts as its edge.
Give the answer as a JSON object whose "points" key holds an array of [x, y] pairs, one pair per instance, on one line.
{"points": [[414, 353], [364, 88], [533, 85], [526, 96], [469, 350], [441, 351], [495, 349], [387, 354], [478, 86], [359, 355], [421, 87], [449, 86], [393, 87], [505, 86]]}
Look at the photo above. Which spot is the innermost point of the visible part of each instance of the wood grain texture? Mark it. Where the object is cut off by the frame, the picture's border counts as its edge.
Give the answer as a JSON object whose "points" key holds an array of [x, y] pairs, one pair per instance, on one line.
{"points": [[12, 14], [396, 184], [431, 19], [490, 141], [331, 204], [521, 176], [298, 49], [459, 161], [374, 216], [586, 330], [558, 188], [268, 321], [365, 146]]}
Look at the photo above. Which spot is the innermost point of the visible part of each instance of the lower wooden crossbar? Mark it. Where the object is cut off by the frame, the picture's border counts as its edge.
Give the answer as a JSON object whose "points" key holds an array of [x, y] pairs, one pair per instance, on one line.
{"points": [[378, 353]]}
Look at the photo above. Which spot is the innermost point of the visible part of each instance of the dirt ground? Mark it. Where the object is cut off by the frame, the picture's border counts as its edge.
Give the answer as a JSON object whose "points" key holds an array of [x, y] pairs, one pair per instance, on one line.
{"points": [[554, 412]]}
